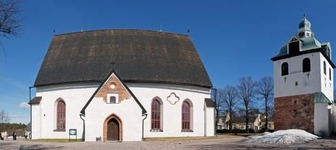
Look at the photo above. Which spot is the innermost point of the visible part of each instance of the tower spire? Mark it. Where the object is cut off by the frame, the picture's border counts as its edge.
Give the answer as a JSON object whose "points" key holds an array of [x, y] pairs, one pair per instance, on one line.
{"points": [[305, 28]]}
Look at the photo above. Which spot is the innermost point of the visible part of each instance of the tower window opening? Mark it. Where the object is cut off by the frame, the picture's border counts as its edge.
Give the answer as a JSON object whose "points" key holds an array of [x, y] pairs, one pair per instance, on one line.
{"points": [[306, 65], [324, 68], [294, 47], [284, 69]]}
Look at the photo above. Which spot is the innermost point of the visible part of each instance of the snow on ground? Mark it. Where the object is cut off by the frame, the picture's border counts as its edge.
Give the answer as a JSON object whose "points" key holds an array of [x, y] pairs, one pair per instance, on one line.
{"points": [[283, 137]]}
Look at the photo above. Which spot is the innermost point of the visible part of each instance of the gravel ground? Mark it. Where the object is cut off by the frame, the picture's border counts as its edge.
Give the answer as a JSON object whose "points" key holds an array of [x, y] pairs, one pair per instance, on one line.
{"points": [[226, 143]]}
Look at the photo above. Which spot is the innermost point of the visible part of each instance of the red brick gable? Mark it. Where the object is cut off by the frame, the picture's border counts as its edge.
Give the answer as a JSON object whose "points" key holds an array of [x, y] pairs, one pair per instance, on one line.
{"points": [[113, 86]]}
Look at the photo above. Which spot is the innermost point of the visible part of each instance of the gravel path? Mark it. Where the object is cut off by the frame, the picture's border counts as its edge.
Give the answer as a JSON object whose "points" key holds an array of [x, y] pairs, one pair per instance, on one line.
{"points": [[204, 144]]}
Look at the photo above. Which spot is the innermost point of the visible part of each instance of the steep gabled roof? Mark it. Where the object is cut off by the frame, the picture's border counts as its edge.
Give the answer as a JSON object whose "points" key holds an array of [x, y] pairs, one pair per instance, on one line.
{"points": [[102, 84], [139, 55]]}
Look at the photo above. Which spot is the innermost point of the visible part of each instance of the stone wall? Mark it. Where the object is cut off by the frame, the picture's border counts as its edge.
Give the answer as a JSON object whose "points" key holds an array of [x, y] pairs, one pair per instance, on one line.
{"points": [[294, 112]]}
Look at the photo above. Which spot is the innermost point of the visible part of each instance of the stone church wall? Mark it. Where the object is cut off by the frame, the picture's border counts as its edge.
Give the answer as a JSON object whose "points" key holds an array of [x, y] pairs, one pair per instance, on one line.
{"points": [[294, 112]]}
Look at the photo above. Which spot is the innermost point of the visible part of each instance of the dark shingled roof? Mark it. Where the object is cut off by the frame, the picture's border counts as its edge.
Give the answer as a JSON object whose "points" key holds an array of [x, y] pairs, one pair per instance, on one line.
{"points": [[139, 56], [209, 103], [35, 100]]}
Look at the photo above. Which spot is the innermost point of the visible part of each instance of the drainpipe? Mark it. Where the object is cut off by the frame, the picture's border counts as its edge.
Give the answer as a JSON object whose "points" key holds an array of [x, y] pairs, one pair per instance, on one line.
{"points": [[31, 112], [83, 135], [143, 127], [217, 111], [205, 120]]}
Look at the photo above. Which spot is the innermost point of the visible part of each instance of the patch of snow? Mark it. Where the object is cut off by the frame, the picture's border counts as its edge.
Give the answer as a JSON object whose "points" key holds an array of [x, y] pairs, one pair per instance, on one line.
{"points": [[289, 136]]}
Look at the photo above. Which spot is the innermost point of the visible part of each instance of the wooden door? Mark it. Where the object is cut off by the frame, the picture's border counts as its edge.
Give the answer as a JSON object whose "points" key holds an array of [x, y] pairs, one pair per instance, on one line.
{"points": [[113, 130]]}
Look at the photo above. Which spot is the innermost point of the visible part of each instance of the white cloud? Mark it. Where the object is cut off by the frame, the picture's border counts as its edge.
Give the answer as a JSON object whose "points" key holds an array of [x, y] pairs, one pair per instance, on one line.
{"points": [[24, 105]]}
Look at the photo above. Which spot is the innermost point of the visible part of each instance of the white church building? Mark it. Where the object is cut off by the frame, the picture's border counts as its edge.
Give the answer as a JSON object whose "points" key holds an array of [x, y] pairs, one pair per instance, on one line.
{"points": [[121, 85], [303, 84]]}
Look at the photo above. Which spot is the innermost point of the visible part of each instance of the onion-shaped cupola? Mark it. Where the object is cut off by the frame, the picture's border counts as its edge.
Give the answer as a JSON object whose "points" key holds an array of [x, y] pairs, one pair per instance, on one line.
{"points": [[305, 28]]}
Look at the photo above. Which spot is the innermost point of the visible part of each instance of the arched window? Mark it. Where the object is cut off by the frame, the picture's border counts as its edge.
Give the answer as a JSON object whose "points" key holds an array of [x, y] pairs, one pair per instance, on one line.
{"points": [[156, 115], [186, 115], [330, 74], [306, 65], [284, 69], [60, 122], [324, 68]]}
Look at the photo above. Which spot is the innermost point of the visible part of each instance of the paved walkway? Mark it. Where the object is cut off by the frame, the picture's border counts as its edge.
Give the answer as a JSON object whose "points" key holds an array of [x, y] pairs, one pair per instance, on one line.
{"points": [[230, 143]]}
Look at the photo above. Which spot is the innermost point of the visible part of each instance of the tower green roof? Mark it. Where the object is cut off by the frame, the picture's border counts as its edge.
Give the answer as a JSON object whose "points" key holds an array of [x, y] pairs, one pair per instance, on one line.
{"points": [[304, 25]]}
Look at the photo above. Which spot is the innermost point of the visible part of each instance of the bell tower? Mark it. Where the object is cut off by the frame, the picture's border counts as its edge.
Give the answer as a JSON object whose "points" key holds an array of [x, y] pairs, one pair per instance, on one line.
{"points": [[303, 83]]}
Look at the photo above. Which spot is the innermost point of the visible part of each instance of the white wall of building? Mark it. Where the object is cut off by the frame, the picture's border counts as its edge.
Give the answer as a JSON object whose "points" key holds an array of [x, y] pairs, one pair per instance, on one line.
{"points": [[128, 111], [327, 85], [171, 122], [333, 118], [321, 119], [36, 127], [210, 124], [307, 82], [76, 96]]}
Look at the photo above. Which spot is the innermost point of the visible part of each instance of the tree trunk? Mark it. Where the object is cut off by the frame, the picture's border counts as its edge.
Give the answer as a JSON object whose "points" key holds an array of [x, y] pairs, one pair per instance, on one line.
{"points": [[266, 114], [246, 122]]}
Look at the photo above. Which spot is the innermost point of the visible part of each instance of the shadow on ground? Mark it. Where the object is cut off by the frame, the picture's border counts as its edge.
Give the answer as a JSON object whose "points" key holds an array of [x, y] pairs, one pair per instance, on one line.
{"points": [[39, 147], [13, 146]]}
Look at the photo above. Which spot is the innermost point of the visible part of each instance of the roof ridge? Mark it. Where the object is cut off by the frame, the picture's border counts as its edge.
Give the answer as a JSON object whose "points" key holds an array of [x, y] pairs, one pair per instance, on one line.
{"points": [[121, 29]]}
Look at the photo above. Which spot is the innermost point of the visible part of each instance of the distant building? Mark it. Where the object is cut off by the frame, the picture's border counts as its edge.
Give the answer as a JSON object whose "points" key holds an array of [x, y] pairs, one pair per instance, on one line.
{"points": [[239, 123], [122, 85], [303, 84]]}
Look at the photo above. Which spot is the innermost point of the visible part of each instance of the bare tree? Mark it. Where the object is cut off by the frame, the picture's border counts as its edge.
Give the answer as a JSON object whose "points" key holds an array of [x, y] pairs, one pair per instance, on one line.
{"points": [[265, 90], [10, 21], [229, 100], [246, 92], [4, 117], [219, 106]]}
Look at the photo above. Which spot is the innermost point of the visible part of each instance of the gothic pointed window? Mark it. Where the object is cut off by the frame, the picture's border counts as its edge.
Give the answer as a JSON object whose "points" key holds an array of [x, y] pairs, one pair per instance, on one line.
{"points": [[186, 116], [60, 121], [156, 115], [284, 69], [306, 65]]}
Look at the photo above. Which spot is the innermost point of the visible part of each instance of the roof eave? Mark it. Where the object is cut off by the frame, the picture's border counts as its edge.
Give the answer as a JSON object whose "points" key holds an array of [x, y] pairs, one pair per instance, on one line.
{"points": [[304, 52]]}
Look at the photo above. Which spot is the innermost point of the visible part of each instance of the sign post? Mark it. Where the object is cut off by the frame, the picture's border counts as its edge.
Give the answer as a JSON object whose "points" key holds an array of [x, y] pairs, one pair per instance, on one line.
{"points": [[73, 132]]}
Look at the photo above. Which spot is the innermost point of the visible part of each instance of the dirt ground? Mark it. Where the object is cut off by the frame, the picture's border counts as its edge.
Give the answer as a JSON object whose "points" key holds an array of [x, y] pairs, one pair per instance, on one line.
{"points": [[223, 142]]}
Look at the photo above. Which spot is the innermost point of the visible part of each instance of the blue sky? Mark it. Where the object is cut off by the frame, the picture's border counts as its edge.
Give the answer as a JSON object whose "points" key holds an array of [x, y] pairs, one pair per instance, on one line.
{"points": [[234, 38]]}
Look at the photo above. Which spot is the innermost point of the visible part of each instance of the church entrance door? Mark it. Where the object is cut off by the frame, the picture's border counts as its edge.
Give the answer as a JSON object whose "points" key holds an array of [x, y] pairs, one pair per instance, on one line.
{"points": [[113, 131]]}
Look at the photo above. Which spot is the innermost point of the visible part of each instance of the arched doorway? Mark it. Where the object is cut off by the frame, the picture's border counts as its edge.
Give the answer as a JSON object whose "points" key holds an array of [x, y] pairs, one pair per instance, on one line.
{"points": [[112, 128]]}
